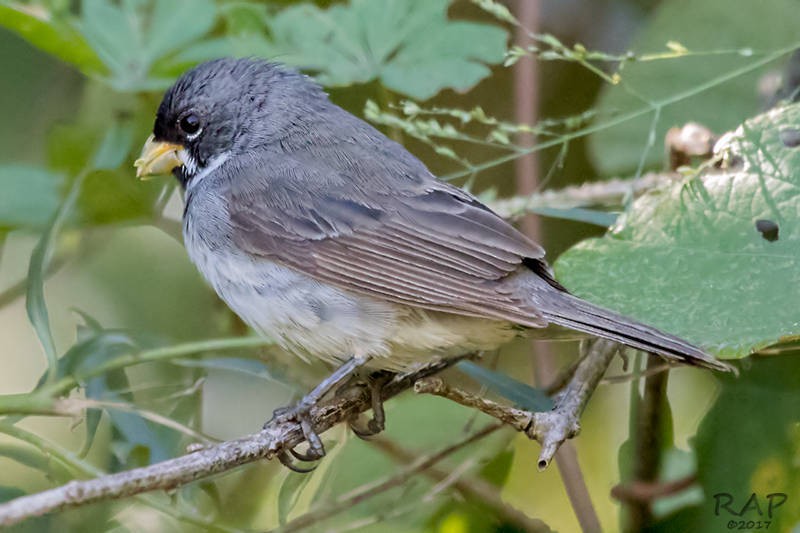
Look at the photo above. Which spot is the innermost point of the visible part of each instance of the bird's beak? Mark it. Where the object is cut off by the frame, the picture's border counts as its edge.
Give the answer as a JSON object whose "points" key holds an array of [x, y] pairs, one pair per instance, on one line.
{"points": [[157, 157]]}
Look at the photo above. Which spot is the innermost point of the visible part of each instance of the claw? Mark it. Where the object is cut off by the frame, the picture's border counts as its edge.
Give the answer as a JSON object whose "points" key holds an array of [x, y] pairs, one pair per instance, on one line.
{"points": [[287, 461]]}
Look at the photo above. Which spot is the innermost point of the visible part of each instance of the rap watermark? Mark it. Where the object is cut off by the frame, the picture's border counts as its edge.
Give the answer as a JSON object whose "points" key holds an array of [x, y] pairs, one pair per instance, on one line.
{"points": [[753, 512]]}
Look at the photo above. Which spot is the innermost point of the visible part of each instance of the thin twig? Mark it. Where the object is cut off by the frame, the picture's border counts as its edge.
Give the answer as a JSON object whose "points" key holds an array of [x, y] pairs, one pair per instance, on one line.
{"points": [[549, 428], [641, 492], [607, 193]]}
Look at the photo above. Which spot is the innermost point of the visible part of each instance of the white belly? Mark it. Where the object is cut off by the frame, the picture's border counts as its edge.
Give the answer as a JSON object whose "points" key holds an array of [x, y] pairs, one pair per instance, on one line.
{"points": [[312, 319]]}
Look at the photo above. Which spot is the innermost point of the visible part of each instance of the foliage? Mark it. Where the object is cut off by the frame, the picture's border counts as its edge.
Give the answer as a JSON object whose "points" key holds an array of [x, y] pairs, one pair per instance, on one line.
{"points": [[705, 226], [680, 87]]}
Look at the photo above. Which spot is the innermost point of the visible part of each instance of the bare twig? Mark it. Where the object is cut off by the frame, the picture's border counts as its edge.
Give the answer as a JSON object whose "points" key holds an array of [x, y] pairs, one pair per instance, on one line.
{"points": [[549, 428], [610, 192], [641, 492], [205, 462]]}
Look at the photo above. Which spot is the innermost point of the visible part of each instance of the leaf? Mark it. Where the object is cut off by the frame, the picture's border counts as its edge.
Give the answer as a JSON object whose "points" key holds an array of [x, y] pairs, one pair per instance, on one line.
{"points": [[747, 444], [29, 196], [177, 23], [618, 150], [35, 301], [409, 45], [9, 493], [52, 35], [289, 493], [689, 258], [520, 394], [132, 38], [115, 146]]}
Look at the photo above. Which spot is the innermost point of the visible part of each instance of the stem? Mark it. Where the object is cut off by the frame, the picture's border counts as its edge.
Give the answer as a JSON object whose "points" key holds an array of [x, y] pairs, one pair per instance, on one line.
{"points": [[649, 443]]}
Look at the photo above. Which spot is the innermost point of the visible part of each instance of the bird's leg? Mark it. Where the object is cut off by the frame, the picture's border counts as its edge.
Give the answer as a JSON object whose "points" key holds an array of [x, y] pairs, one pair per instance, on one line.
{"points": [[300, 412], [376, 424]]}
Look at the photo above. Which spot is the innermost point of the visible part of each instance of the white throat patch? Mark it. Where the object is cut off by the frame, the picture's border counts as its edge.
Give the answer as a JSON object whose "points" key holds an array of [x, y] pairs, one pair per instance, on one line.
{"points": [[194, 171]]}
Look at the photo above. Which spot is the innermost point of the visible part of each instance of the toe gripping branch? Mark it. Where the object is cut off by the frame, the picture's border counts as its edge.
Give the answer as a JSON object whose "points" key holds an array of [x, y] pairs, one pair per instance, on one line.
{"points": [[313, 414]]}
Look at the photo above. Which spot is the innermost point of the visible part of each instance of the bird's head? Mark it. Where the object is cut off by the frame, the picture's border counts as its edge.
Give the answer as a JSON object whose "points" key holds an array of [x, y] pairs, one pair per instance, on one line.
{"points": [[224, 108]]}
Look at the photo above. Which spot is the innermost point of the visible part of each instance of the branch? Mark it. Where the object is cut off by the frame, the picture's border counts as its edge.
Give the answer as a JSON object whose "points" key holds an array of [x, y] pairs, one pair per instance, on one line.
{"points": [[611, 192], [549, 428], [173, 473]]}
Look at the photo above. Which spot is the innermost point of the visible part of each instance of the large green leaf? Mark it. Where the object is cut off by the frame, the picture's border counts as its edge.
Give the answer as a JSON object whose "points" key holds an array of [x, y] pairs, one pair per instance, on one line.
{"points": [[690, 258], [409, 45], [131, 37], [743, 39]]}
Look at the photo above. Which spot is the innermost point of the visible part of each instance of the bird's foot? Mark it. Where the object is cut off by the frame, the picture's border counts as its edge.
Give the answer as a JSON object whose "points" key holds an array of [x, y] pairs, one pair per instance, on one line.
{"points": [[377, 423], [300, 413]]}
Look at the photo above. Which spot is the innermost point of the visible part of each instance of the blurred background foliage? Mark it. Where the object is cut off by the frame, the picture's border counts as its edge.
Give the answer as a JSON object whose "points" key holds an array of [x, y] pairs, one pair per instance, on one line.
{"points": [[146, 360]]}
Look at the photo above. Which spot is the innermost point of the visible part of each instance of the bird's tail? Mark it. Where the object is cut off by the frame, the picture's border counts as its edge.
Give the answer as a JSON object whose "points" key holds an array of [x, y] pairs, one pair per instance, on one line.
{"points": [[561, 308]]}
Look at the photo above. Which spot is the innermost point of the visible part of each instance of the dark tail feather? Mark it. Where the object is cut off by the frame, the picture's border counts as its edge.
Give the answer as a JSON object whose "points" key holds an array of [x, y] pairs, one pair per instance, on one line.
{"points": [[564, 309]]}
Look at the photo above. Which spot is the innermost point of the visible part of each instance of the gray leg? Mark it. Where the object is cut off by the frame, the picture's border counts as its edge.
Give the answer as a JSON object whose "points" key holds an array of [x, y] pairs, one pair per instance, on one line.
{"points": [[300, 411], [376, 424]]}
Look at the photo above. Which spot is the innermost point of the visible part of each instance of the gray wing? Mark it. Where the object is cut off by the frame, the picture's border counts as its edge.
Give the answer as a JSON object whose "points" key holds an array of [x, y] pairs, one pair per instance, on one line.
{"points": [[411, 240]]}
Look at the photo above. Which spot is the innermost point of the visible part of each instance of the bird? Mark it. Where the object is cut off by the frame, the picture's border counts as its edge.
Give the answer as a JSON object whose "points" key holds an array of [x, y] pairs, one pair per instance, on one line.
{"points": [[333, 240]]}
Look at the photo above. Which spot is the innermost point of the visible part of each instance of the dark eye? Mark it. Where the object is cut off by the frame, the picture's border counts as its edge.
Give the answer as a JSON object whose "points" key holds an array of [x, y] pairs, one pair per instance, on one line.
{"points": [[189, 124]]}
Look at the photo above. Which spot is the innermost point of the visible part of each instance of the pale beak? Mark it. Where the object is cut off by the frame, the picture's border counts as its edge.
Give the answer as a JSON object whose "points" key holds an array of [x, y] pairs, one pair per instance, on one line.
{"points": [[157, 158]]}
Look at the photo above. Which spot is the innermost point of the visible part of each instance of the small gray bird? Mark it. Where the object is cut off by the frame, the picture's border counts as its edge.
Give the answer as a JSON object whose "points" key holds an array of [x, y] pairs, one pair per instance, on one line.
{"points": [[333, 240]]}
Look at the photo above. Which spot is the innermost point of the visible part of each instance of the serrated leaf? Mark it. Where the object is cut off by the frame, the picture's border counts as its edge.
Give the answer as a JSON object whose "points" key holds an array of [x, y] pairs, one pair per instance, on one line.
{"points": [[29, 196], [689, 258], [409, 45], [134, 39], [520, 394], [618, 150]]}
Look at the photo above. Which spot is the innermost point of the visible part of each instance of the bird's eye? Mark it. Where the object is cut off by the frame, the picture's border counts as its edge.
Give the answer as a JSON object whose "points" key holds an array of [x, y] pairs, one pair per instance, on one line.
{"points": [[189, 124]]}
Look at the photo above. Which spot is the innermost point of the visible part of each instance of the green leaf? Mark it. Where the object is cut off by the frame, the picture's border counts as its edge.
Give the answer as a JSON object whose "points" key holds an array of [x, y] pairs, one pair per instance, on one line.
{"points": [[520, 394], [409, 45], [177, 23], [690, 259], [115, 146], [743, 39], [29, 196], [134, 39], [747, 444], [52, 35], [289, 493], [35, 301]]}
